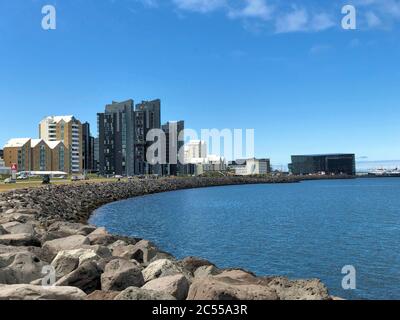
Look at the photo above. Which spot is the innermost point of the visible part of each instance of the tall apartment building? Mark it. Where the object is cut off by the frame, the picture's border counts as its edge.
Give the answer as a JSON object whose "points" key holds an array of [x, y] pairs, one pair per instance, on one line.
{"points": [[67, 129], [87, 149], [96, 155], [173, 146], [147, 117], [116, 139]]}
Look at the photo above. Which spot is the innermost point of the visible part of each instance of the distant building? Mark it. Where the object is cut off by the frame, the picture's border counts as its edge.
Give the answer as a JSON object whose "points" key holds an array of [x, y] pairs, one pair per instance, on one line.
{"points": [[37, 155], [251, 166], [67, 129], [40, 155], [87, 149], [3, 169], [323, 164], [147, 117], [96, 155], [195, 149], [1, 153], [18, 151], [173, 145], [116, 139]]}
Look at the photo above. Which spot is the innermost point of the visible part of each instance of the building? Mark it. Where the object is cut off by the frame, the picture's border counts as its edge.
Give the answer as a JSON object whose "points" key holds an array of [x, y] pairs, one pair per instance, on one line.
{"points": [[116, 132], [40, 155], [1, 153], [67, 129], [3, 169], [251, 166], [96, 155], [37, 155], [323, 164], [173, 145], [59, 156], [18, 151], [147, 117], [195, 149], [88, 164]]}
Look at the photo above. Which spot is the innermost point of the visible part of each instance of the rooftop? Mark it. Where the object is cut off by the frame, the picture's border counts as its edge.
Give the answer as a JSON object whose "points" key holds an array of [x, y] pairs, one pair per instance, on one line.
{"points": [[16, 143]]}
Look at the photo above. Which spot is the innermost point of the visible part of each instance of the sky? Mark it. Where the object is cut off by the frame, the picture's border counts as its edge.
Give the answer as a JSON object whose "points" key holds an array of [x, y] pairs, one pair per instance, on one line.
{"points": [[286, 69]]}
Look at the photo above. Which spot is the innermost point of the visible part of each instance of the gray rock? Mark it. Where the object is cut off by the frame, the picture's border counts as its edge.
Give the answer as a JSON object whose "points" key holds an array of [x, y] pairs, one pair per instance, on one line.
{"points": [[20, 268], [177, 286], [193, 263], [51, 248], [69, 229], [18, 228], [161, 268], [31, 292], [3, 231], [23, 239], [120, 274], [206, 271], [86, 277], [101, 237], [286, 289], [134, 293]]}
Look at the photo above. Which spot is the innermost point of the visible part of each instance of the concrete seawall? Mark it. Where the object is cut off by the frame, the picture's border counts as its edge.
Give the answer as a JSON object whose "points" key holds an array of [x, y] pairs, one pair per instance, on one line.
{"points": [[47, 227]]}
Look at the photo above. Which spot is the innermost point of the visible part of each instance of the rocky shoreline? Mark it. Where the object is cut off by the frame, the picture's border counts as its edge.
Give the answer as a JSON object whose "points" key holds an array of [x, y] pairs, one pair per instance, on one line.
{"points": [[45, 239]]}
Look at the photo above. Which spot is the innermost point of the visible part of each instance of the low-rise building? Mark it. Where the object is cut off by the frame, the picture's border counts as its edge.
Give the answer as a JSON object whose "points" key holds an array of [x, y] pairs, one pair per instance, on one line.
{"points": [[323, 164], [18, 151], [37, 155], [251, 166]]}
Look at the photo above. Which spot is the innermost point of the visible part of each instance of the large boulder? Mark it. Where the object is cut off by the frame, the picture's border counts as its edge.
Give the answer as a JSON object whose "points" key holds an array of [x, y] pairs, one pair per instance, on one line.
{"points": [[143, 251], [51, 248], [102, 295], [177, 286], [69, 228], [101, 237], [134, 293], [3, 231], [86, 277], [23, 239], [120, 274], [191, 264], [206, 271], [211, 288], [161, 268], [31, 292], [68, 260], [287, 289], [18, 228], [19, 268]]}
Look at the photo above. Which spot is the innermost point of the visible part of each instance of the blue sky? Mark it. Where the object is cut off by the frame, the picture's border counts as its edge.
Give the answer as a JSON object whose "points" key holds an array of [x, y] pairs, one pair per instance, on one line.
{"points": [[285, 68]]}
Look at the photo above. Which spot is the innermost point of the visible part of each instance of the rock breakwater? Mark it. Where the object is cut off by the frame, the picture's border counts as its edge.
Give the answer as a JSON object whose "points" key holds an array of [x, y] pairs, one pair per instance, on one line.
{"points": [[47, 251]]}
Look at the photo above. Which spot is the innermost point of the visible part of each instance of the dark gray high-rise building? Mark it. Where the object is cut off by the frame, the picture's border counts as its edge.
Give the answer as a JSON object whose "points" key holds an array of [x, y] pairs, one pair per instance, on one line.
{"points": [[173, 144], [116, 139], [87, 149], [147, 117]]}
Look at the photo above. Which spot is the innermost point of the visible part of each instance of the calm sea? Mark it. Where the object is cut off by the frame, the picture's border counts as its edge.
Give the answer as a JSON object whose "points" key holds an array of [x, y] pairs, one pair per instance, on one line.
{"points": [[306, 230]]}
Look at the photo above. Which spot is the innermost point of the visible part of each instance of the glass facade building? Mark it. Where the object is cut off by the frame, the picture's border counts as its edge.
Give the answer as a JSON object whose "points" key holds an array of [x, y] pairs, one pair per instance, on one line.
{"points": [[323, 163]]}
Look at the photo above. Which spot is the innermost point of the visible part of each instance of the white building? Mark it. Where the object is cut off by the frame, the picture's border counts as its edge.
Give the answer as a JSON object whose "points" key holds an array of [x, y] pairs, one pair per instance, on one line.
{"points": [[195, 149], [252, 167]]}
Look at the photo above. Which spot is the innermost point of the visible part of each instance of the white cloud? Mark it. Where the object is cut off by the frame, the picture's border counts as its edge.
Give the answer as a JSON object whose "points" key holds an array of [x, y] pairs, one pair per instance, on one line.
{"points": [[295, 21], [253, 9], [202, 6], [372, 19]]}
